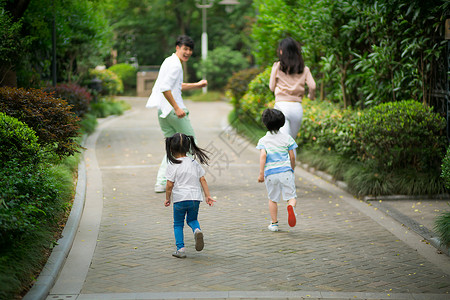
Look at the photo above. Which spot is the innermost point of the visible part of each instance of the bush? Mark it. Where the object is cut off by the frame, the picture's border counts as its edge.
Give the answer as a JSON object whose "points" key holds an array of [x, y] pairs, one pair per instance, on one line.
{"points": [[446, 169], [27, 198], [127, 73], [237, 85], [51, 118], [403, 134], [18, 142], [327, 127], [54, 123], [77, 96], [221, 63], [258, 97], [107, 108], [442, 228], [111, 83]]}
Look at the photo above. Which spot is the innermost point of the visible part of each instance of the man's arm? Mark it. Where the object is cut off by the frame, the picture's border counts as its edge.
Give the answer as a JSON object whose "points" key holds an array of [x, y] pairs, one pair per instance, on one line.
{"points": [[178, 111], [196, 85]]}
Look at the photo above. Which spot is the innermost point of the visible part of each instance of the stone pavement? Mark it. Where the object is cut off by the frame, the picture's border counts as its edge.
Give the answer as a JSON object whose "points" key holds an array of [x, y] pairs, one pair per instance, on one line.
{"points": [[341, 248]]}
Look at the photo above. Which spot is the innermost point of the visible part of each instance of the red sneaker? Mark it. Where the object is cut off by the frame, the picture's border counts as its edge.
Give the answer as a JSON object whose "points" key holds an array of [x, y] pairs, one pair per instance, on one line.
{"points": [[292, 220]]}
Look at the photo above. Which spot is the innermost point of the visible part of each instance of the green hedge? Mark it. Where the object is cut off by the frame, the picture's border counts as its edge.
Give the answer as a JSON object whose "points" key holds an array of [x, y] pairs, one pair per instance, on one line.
{"points": [[18, 142], [56, 126], [111, 83], [392, 148], [127, 73]]}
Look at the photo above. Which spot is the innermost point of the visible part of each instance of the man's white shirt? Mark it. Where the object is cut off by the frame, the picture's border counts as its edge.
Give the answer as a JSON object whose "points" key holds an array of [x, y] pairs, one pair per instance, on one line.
{"points": [[170, 78]]}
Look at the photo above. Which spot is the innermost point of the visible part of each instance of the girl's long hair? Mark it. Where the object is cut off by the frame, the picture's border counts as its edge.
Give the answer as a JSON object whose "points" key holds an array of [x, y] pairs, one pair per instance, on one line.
{"points": [[290, 55], [180, 143]]}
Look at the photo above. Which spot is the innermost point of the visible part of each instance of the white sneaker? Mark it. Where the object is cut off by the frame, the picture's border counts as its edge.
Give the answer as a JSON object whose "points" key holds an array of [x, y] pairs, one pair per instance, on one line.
{"points": [[198, 237], [179, 253], [273, 227], [159, 188]]}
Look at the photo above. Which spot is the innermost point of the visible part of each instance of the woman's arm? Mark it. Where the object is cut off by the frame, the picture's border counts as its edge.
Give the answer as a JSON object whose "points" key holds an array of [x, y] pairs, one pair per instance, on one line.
{"points": [[311, 85], [273, 77]]}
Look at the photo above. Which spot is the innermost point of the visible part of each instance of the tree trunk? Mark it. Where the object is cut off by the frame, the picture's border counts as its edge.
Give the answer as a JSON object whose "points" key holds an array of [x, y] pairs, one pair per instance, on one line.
{"points": [[8, 76]]}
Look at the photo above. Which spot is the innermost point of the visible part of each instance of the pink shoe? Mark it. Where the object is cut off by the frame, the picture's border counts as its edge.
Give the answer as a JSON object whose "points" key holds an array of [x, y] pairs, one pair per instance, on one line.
{"points": [[292, 220]]}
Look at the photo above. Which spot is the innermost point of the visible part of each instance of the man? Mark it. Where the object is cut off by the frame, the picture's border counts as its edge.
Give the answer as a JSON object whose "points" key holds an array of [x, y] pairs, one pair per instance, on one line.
{"points": [[173, 116]]}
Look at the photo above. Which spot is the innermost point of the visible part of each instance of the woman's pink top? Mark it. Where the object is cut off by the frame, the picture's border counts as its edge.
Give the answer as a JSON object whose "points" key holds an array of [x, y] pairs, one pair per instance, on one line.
{"points": [[291, 87]]}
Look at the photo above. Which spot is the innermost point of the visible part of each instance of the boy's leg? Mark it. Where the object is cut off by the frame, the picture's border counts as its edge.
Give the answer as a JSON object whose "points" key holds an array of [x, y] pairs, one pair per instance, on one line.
{"points": [[179, 211], [273, 209]]}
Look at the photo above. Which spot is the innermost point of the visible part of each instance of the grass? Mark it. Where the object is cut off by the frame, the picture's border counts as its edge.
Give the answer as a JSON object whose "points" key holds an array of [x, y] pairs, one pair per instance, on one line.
{"points": [[108, 106], [198, 96]]}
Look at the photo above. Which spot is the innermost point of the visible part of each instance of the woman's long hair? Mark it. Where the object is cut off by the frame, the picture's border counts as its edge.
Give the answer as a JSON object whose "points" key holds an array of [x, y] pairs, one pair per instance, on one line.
{"points": [[180, 143], [290, 55]]}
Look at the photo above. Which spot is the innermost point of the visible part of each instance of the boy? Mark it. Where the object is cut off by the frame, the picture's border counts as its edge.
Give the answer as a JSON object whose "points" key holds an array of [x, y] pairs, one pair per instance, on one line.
{"points": [[173, 116], [277, 163]]}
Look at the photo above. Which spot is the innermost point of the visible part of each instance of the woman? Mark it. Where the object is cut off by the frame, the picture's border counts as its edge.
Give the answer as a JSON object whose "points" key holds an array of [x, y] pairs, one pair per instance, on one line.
{"points": [[287, 80]]}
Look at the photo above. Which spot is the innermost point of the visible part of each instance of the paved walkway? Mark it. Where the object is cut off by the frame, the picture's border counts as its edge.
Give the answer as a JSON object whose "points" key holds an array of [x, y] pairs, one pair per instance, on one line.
{"points": [[341, 248]]}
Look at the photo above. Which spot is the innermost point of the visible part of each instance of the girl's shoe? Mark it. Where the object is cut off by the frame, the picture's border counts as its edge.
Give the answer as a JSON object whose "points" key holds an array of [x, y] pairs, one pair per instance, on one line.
{"points": [[292, 220], [179, 253], [273, 226], [198, 237]]}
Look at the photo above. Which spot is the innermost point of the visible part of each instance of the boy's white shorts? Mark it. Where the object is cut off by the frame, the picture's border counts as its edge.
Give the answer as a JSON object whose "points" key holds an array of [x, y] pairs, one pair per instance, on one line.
{"points": [[281, 184]]}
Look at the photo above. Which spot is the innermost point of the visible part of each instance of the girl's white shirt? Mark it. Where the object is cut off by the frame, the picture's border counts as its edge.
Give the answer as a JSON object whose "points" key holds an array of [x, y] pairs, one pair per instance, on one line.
{"points": [[186, 178]]}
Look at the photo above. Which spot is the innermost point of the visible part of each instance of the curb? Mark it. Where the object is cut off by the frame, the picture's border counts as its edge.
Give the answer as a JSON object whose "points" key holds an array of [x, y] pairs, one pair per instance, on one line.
{"points": [[55, 262]]}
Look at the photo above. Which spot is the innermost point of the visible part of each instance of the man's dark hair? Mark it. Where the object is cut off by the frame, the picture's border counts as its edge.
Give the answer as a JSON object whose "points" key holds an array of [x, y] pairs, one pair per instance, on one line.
{"points": [[273, 119], [186, 41]]}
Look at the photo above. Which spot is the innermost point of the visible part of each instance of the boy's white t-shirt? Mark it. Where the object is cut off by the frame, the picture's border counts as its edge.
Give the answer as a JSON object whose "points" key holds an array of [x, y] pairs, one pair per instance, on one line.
{"points": [[186, 178]]}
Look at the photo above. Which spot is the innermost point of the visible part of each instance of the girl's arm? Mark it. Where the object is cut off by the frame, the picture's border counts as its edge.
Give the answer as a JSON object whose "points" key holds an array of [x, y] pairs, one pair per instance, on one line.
{"points": [[169, 187], [292, 158], [209, 200], [262, 163]]}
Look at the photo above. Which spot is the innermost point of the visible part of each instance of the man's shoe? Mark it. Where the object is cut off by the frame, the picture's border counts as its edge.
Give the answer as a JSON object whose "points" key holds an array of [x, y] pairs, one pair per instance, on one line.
{"points": [[198, 237], [292, 220], [159, 188]]}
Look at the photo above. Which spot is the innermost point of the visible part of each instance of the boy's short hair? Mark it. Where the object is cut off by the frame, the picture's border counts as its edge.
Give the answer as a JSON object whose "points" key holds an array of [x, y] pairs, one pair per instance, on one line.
{"points": [[186, 41], [273, 119]]}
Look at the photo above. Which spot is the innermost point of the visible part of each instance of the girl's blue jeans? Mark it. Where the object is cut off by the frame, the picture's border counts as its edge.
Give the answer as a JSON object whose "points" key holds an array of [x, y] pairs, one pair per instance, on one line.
{"points": [[188, 209]]}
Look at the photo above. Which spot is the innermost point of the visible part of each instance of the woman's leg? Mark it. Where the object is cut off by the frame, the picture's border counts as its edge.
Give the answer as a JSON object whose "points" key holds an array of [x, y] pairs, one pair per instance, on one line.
{"points": [[293, 112], [179, 211]]}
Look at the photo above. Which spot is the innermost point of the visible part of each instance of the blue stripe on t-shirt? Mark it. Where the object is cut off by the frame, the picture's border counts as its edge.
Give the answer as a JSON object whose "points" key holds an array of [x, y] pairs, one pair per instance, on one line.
{"points": [[277, 170], [277, 156]]}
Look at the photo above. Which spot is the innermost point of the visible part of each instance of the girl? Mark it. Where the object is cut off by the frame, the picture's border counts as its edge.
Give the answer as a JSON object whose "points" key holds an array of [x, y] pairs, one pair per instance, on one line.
{"points": [[287, 81], [185, 181]]}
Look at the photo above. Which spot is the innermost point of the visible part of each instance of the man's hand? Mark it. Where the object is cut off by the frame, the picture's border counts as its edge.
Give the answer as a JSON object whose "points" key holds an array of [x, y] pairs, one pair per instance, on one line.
{"points": [[202, 83], [167, 202], [180, 112]]}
